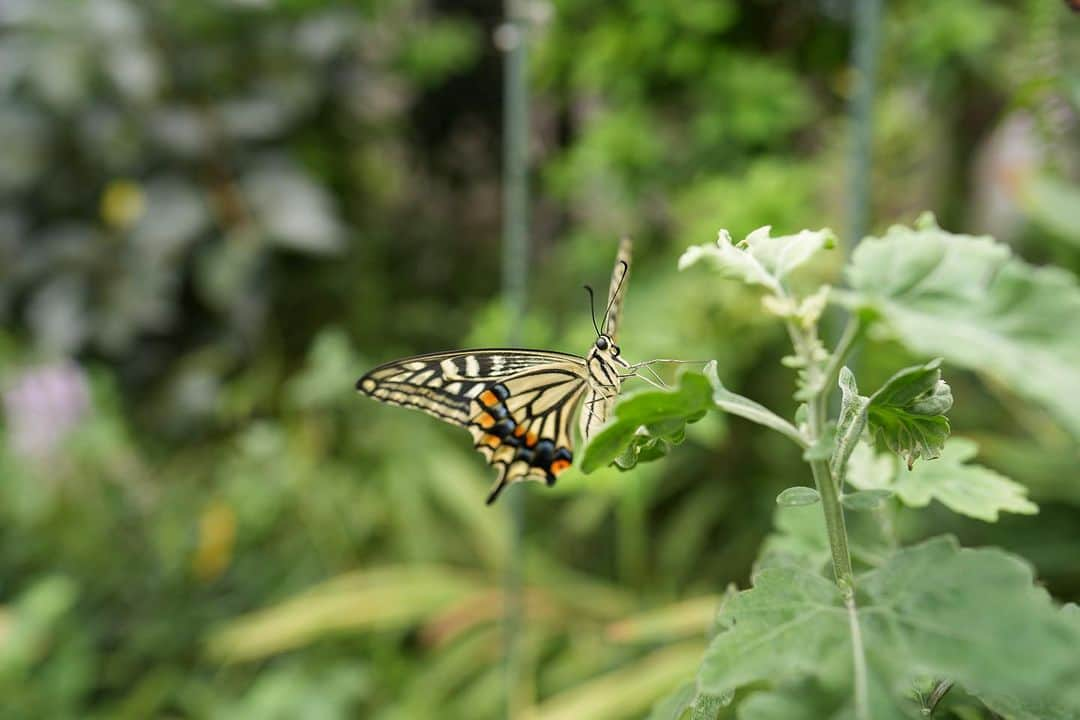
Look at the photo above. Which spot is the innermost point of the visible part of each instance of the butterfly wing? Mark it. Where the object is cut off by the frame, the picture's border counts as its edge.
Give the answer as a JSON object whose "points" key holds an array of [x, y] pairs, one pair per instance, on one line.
{"points": [[517, 404], [603, 367], [617, 289]]}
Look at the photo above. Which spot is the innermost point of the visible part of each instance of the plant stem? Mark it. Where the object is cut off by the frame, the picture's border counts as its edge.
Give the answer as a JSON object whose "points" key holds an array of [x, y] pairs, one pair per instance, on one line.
{"points": [[858, 662], [820, 378]]}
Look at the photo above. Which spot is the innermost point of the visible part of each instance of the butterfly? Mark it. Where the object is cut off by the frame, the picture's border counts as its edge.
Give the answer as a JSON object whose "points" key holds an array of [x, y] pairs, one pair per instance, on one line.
{"points": [[517, 404]]}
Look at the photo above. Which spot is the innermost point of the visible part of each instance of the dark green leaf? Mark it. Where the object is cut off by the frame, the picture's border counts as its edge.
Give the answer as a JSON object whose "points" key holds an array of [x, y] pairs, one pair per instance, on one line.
{"points": [[907, 414]]}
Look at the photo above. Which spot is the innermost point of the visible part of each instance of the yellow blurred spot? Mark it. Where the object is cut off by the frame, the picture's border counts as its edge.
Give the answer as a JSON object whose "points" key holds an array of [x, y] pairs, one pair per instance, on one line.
{"points": [[217, 537], [122, 204]]}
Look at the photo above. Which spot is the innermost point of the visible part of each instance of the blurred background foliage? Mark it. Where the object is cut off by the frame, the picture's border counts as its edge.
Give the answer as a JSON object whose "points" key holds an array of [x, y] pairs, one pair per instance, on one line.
{"points": [[215, 215]]}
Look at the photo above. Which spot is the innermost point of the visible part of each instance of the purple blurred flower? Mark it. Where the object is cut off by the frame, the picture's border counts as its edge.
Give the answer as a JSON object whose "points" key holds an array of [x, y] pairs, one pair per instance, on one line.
{"points": [[42, 405]]}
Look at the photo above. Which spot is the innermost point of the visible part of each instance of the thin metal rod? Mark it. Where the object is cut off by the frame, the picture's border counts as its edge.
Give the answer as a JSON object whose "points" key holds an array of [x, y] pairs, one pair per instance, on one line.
{"points": [[864, 55], [511, 39]]}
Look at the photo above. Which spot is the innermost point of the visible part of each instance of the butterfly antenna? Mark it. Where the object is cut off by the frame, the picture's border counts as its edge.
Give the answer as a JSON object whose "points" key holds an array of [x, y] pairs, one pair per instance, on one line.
{"points": [[615, 295], [592, 310]]}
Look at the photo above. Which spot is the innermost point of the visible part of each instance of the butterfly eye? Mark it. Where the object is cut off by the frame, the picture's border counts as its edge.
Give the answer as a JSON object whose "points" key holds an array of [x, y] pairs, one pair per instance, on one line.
{"points": [[601, 343]]}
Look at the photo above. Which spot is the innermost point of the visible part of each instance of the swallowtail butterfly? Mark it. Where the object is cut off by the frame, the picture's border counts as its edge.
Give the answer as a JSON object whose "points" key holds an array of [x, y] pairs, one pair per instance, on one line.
{"points": [[517, 404]]}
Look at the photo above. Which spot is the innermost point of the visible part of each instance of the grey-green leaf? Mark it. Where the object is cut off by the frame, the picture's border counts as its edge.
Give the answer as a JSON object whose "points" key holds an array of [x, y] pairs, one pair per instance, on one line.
{"points": [[963, 487], [968, 299], [866, 499], [974, 616], [798, 495], [760, 259]]}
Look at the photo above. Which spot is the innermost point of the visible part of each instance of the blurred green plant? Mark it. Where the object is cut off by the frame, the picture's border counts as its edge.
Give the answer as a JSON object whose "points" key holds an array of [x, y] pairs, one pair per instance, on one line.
{"points": [[932, 612]]}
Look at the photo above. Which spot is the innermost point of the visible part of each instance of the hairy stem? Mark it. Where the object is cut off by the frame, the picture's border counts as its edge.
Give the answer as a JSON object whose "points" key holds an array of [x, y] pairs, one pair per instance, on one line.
{"points": [[858, 662], [819, 378]]}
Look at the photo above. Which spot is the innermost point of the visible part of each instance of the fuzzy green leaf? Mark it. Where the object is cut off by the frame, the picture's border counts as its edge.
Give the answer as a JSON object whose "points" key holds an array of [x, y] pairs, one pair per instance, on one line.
{"points": [[646, 424], [907, 414], [968, 299], [968, 489], [952, 480], [759, 259], [974, 616]]}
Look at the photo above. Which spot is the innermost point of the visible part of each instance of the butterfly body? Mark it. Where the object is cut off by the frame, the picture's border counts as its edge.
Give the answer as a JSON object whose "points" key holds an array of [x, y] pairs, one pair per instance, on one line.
{"points": [[517, 404]]}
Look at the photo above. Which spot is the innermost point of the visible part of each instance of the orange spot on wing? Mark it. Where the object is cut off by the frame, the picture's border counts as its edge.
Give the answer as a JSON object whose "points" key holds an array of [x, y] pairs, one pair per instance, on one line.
{"points": [[559, 465], [530, 439], [484, 420], [519, 430], [489, 398], [492, 441]]}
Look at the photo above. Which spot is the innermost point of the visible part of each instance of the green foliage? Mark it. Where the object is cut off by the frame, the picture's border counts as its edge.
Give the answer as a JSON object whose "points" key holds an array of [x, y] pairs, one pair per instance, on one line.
{"points": [[952, 480], [929, 611], [968, 299], [907, 415], [660, 415], [933, 610]]}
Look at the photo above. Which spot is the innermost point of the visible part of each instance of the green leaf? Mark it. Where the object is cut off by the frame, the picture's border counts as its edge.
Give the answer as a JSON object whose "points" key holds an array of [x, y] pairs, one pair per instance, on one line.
{"points": [[646, 424], [798, 495], [907, 414], [964, 488], [869, 470], [686, 703], [974, 616], [968, 299], [850, 425], [759, 259], [866, 499], [952, 480], [803, 701], [798, 539], [675, 706]]}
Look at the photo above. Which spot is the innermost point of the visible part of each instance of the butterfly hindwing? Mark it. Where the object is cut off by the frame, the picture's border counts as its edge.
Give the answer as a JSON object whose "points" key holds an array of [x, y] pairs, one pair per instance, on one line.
{"points": [[522, 424]]}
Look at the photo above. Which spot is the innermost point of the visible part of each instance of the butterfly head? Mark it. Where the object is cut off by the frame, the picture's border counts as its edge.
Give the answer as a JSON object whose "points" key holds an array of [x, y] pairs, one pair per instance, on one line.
{"points": [[606, 348]]}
